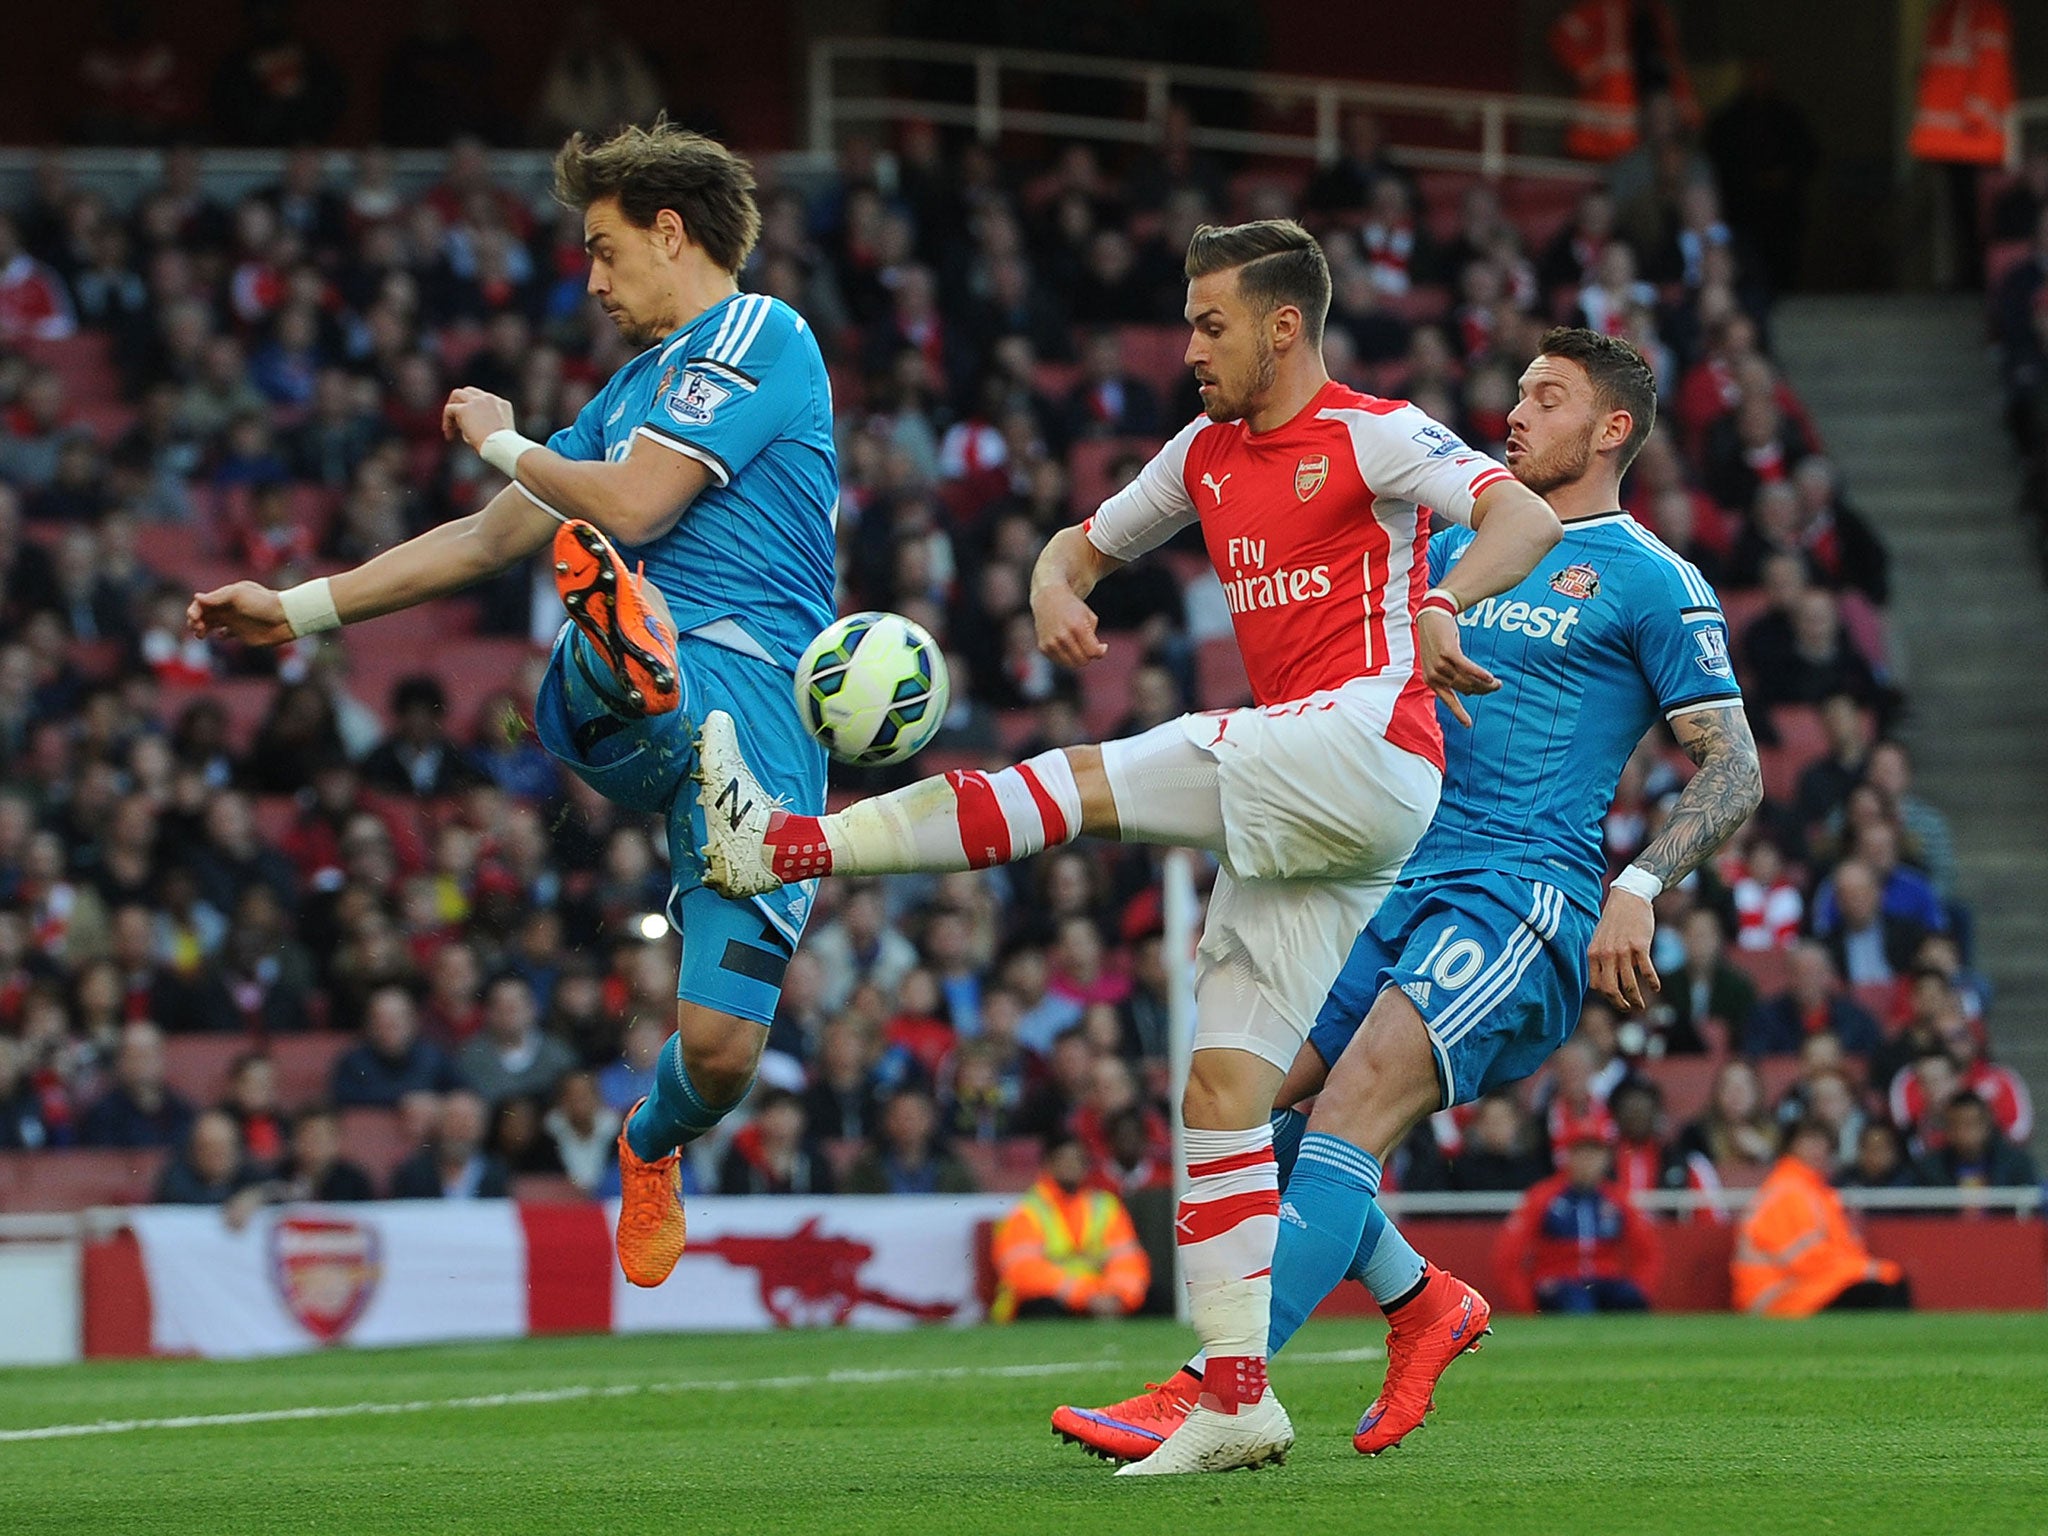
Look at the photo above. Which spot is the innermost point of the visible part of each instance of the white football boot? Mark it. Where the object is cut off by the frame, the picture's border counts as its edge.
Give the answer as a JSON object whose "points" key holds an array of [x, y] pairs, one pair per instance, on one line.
{"points": [[736, 812], [1257, 1435]]}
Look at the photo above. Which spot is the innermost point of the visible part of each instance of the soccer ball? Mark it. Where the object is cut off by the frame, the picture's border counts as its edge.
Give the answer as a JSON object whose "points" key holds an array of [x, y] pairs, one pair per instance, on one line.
{"points": [[872, 688]]}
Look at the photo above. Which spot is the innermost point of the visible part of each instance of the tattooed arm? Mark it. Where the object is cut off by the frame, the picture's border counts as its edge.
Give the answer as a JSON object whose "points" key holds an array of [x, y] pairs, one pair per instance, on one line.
{"points": [[1721, 797]]}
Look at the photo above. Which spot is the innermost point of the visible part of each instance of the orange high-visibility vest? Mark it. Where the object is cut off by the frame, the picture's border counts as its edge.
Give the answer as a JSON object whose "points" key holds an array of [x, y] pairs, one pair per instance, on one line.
{"points": [[1593, 42], [1966, 85], [1069, 1247], [1795, 1251]]}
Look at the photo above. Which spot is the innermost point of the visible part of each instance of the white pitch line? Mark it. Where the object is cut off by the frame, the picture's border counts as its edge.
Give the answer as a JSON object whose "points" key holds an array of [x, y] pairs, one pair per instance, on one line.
{"points": [[622, 1389]]}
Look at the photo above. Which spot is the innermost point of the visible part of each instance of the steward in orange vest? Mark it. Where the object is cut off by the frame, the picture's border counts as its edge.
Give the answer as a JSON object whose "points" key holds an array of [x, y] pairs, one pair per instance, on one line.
{"points": [[1068, 1250], [1965, 85], [1598, 42], [1795, 1252]]}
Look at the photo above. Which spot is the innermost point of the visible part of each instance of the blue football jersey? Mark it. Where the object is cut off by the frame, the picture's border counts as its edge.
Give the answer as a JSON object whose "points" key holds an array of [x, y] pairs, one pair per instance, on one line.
{"points": [[742, 389], [1610, 630]]}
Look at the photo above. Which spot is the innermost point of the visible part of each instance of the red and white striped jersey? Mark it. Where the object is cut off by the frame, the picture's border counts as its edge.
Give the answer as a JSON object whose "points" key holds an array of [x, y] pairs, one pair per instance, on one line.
{"points": [[1318, 531]]}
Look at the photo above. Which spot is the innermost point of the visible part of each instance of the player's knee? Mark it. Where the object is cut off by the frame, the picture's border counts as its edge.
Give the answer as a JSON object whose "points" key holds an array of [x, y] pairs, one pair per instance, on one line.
{"points": [[1098, 804], [1383, 1083], [1225, 1093], [720, 1053]]}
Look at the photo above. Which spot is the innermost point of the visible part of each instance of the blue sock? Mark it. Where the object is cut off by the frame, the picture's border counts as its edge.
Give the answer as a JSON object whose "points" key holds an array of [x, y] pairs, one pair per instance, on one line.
{"points": [[1289, 1126], [1323, 1215], [674, 1113], [1385, 1264]]}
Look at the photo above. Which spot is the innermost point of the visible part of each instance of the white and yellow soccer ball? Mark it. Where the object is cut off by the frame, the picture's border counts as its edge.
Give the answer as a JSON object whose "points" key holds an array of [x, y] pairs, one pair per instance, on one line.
{"points": [[872, 688]]}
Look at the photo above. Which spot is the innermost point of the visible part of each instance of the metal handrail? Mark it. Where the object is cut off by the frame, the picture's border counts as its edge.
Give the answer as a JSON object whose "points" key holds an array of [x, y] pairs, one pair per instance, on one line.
{"points": [[1491, 112]]}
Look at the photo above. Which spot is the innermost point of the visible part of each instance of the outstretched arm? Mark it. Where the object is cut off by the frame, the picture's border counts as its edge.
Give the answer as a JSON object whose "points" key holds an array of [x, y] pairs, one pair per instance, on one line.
{"points": [[510, 528], [1067, 570], [635, 500], [1721, 797], [1512, 529]]}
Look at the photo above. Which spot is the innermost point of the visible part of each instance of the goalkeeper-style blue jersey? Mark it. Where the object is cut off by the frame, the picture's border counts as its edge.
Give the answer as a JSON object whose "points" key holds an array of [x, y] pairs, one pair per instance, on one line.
{"points": [[1610, 630], [743, 390]]}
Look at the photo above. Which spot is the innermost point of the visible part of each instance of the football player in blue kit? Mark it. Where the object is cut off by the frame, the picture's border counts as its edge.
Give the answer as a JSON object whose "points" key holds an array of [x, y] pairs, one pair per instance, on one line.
{"points": [[709, 461], [1475, 967]]}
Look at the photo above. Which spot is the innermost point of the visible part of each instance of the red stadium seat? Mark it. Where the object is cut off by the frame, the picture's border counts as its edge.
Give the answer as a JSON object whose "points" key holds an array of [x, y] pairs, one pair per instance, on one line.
{"points": [[85, 362], [197, 1065], [246, 699], [1687, 1082], [1767, 968], [2000, 259], [1220, 678], [374, 1140], [73, 1178], [1088, 467], [1106, 685], [305, 1065], [1055, 380], [1802, 742], [275, 816], [1741, 609], [1158, 355], [1864, 623]]}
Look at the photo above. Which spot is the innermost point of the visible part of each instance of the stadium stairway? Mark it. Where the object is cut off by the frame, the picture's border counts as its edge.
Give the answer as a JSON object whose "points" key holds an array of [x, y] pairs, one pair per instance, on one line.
{"points": [[1906, 401]]}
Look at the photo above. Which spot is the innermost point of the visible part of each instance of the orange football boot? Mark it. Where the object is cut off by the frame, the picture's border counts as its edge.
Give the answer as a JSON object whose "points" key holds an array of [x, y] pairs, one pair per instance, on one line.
{"points": [[651, 1224], [1134, 1428], [605, 601], [1447, 1320]]}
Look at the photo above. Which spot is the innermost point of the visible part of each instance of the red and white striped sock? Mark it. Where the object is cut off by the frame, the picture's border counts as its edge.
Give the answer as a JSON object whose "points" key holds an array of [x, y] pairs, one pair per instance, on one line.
{"points": [[961, 820], [1227, 1227]]}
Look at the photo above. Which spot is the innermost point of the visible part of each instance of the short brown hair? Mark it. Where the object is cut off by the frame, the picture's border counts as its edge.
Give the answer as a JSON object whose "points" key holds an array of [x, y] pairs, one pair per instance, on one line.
{"points": [[1622, 380], [1277, 261], [709, 188]]}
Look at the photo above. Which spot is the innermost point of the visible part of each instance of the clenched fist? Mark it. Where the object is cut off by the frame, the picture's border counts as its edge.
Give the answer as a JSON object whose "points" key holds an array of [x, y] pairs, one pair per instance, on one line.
{"points": [[246, 611]]}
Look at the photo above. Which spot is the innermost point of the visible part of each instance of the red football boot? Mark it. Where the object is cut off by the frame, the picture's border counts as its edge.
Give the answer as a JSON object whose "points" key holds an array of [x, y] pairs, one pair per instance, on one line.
{"points": [[1136, 1427], [1448, 1319], [610, 605]]}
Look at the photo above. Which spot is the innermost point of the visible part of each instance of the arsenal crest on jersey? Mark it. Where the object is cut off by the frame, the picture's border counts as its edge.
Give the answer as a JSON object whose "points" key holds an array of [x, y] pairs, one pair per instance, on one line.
{"points": [[1578, 581], [326, 1269], [1310, 474]]}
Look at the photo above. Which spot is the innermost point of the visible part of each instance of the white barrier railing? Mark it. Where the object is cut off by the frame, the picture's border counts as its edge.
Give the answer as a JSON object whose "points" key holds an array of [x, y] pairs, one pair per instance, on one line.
{"points": [[2016, 1200], [2017, 120], [1486, 116]]}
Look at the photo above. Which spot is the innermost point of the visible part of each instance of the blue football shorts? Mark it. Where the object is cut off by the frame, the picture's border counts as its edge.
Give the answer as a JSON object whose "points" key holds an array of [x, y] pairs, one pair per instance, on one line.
{"points": [[1495, 964], [734, 952]]}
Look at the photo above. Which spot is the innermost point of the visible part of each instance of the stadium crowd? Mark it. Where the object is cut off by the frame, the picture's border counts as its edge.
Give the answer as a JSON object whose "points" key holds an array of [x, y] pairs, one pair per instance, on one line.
{"points": [[193, 390]]}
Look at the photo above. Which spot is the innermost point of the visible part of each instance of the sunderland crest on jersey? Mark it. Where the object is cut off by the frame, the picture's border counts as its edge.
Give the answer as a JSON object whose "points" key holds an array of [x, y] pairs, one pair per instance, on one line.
{"points": [[1310, 474], [1579, 581], [326, 1270]]}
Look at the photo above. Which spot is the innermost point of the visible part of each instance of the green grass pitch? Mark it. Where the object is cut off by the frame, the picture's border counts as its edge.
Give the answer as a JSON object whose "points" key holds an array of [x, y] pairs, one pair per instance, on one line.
{"points": [[1850, 1424]]}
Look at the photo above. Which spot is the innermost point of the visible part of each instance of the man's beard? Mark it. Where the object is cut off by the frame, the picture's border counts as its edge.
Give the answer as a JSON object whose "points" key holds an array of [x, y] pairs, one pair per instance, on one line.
{"points": [[1561, 466], [635, 333], [1265, 369]]}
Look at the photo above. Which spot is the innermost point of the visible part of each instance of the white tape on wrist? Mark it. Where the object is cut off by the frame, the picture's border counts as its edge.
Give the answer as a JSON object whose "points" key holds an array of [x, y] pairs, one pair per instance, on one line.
{"points": [[501, 450], [309, 607], [1638, 881], [1448, 596]]}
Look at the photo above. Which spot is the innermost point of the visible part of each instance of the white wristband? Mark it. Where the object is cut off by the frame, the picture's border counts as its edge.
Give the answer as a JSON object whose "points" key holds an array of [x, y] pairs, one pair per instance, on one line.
{"points": [[309, 607], [1638, 881], [1447, 595], [501, 450]]}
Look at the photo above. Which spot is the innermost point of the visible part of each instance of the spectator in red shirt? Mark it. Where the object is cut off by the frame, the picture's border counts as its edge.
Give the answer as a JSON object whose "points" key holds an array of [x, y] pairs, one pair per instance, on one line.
{"points": [[33, 303], [1577, 1244]]}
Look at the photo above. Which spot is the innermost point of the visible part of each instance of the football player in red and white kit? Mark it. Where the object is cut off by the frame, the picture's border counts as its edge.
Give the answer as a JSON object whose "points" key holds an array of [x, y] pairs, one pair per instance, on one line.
{"points": [[1315, 504]]}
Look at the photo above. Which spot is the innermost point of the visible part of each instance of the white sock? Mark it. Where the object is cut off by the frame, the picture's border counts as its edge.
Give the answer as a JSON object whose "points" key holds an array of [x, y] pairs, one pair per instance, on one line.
{"points": [[962, 820], [1227, 1228]]}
